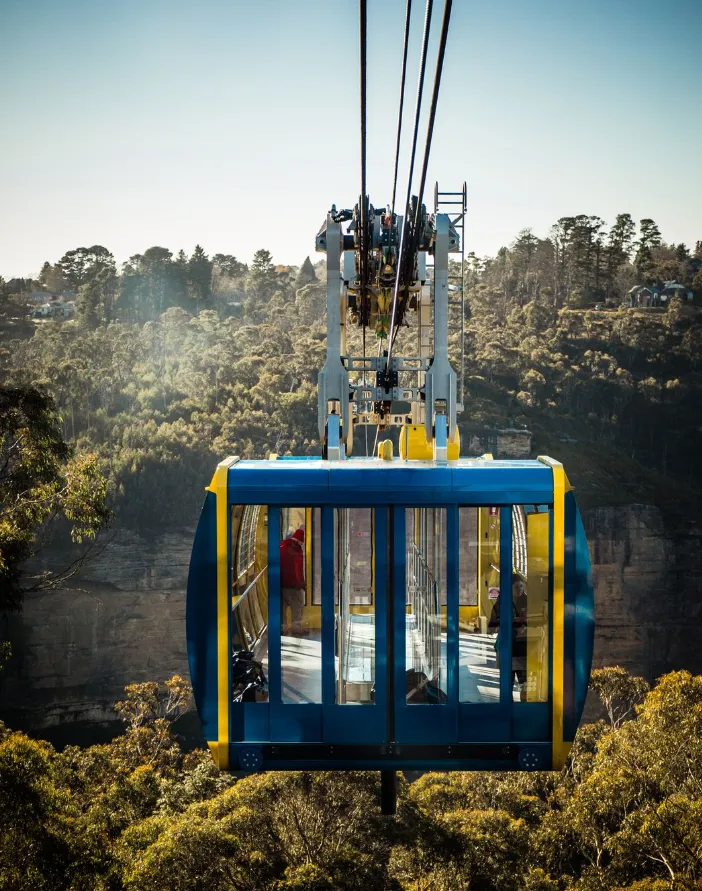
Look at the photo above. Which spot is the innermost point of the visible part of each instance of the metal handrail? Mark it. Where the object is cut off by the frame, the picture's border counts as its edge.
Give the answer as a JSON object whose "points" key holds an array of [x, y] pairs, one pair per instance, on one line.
{"points": [[240, 599], [248, 588]]}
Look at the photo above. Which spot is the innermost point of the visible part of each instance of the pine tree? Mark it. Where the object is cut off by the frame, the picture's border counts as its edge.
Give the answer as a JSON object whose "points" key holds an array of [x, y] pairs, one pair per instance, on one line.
{"points": [[649, 238], [200, 277], [262, 278], [306, 275]]}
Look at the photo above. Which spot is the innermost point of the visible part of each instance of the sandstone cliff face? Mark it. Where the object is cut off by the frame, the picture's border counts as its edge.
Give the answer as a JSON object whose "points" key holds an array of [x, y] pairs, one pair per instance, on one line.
{"points": [[648, 590], [123, 619]]}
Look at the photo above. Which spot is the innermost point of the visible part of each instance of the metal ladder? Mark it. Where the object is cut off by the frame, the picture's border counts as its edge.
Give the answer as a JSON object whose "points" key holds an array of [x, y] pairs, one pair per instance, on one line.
{"points": [[457, 203]]}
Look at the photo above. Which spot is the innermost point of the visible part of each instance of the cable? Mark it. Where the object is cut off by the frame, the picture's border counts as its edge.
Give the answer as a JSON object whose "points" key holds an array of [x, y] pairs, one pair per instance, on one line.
{"points": [[432, 112], [400, 263], [402, 102], [363, 222], [365, 426], [415, 229]]}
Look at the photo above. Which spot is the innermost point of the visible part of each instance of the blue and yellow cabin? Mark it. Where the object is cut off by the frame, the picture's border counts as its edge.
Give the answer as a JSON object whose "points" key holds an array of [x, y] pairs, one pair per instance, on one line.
{"points": [[390, 614]]}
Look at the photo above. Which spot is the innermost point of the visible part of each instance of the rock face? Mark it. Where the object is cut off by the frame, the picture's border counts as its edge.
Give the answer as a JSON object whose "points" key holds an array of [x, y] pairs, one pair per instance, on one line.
{"points": [[123, 619], [648, 591]]}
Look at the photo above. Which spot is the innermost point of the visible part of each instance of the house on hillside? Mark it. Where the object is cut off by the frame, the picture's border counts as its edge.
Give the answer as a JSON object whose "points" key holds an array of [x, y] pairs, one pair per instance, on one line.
{"points": [[56, 307], [673, 289], [643, 295], [656, 295], [36, 298]]}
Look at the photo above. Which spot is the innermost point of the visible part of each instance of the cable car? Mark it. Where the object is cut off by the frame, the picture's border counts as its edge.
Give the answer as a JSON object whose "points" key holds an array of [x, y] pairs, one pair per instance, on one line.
{"points": [[417, 612], [441, 616], [420, 612]]}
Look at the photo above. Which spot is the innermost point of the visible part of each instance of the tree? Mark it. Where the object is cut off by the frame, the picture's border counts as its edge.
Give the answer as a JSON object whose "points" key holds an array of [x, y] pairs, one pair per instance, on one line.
{"points": [[618, 692], [682, 252], [154, 267], [41, 481], [148, 711], [36, 845], [306, 275], [52, 278], [228, 265], [95, 299], [262, 279], [649, 238], [83, 264], [619, 243], [200, 277]]}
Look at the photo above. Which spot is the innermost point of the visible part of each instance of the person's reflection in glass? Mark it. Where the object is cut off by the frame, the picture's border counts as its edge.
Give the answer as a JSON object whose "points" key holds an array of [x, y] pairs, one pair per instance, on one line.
{"points": [[519, 632]]}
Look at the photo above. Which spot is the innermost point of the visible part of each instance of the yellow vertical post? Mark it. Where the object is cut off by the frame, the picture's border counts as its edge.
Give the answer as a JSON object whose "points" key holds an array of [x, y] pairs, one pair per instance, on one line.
{"points": [[537, 538], [560, 748], [220, 748]]}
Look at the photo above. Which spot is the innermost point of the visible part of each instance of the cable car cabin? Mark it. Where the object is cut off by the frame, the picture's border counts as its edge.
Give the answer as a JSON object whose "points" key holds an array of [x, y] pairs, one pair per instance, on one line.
{"points": [[386, 615]]}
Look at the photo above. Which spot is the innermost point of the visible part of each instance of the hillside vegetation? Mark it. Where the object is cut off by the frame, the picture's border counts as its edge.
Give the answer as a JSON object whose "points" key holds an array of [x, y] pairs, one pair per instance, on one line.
{"points": [[174, 362], [140, 815]]}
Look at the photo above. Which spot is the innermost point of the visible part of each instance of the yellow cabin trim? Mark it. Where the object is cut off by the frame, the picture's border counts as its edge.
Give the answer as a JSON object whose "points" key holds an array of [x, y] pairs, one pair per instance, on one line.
{"points": [[537, 536], [560, 748], [220, 749]]}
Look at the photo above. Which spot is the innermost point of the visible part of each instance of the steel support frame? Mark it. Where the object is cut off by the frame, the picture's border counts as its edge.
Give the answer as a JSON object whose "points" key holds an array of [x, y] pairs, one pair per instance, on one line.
{"points": [[440, 381], [333, 384]]}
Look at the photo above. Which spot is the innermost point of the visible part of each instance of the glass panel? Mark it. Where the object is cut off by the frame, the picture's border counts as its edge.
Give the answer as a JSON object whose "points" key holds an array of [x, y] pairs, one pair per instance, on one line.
{"points": [[530, 603], [354, 607], [249, 619], [301, 613], [316, 543], [425, 611], [244, 543], [479, 586]]}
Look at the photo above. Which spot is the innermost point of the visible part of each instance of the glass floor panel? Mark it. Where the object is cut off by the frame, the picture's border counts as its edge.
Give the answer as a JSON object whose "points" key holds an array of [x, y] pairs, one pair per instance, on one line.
{"points": [[302, 657]]}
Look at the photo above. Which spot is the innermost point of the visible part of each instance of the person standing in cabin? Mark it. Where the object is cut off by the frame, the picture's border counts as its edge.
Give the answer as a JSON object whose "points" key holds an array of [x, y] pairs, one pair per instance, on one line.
{"points": [[292, 581]]}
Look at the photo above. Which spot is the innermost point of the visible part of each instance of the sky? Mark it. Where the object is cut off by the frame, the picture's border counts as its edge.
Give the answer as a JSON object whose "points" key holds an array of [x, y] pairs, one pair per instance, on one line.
{"points": [[236, 125]]}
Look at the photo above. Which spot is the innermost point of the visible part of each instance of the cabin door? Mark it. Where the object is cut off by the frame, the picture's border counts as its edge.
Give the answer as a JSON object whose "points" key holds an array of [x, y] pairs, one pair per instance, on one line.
{"points": [[355, 627]]}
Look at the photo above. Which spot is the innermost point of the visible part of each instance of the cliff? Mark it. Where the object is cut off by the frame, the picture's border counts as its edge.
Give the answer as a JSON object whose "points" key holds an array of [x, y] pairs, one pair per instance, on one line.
{"points": [[121, 620], [648, 590], [76, 648]]}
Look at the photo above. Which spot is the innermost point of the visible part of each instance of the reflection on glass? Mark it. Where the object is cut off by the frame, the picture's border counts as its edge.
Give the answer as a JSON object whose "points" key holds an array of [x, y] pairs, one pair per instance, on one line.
{"points": [[354, 607], [425, 612], [519, 634], [300, 615], [249, 606], [479, 586], [536, 612], [479, 640]]}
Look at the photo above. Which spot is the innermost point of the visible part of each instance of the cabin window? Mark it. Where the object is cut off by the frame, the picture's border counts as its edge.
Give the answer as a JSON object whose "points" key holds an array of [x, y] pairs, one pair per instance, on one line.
{"points": [[249, 603], [479, 586], [300, 609], [426, 679], [354, 608]]}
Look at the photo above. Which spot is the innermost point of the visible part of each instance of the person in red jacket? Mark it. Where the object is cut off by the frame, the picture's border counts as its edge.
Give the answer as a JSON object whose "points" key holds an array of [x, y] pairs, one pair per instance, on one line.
{"points": [[292, 581]]}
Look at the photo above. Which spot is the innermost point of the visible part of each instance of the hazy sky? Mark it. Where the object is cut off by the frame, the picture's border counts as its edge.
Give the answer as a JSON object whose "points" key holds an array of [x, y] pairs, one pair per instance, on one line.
{"points": [[235, 124]]}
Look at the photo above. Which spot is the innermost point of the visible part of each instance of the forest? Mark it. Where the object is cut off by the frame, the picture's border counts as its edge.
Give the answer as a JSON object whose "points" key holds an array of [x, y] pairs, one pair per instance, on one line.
{"points": [[140, 814], [118, 416], [173, 362]]}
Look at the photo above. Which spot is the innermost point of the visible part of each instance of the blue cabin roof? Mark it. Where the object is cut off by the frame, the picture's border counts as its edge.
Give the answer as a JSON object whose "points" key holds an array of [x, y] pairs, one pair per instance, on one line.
{"points": [[375, 481]]}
